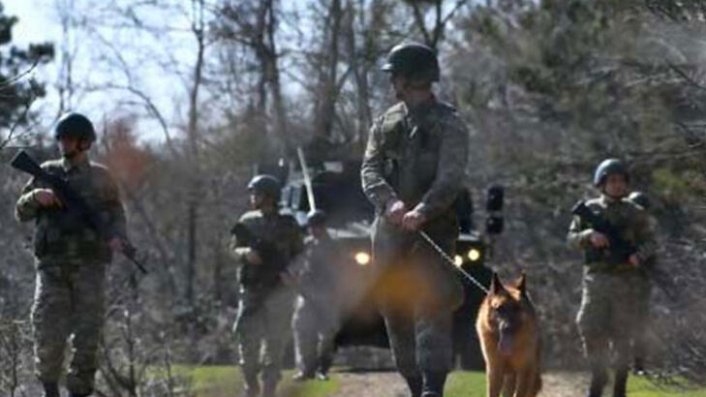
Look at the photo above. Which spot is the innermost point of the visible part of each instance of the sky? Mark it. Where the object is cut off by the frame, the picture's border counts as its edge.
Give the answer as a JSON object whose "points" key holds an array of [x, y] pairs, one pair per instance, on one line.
{"points": [[38, 22], [35, 21]]}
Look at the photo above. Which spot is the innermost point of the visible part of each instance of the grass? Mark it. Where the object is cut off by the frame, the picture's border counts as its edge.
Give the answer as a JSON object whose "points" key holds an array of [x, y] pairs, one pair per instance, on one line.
{"points": [[460, 383], [222, 381], [226, 381], [640, 387], [472, 384]]}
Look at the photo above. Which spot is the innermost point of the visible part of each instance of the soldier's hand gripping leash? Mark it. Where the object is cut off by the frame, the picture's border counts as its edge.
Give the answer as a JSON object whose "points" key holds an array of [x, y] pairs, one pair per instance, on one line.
{"points": [[73, 203]]}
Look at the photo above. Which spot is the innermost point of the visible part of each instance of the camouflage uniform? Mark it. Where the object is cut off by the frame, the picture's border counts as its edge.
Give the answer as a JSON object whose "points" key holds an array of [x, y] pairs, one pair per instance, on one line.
{"points": [[611, 292], [71, 260], [317, 315], [642, 325], [418, 156], [265, 309]]}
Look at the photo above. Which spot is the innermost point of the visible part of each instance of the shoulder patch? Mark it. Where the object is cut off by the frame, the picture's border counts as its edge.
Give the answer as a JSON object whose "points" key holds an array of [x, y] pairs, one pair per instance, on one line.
{"points": [[393, 116], [446, 107], [595, 203], [52, 164], [99, 166], [397, 108], [250, 215], [633, 205]]}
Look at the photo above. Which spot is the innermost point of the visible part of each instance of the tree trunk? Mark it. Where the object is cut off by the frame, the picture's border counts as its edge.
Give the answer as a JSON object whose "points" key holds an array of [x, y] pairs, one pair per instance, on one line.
{"points": [[193, 134]]}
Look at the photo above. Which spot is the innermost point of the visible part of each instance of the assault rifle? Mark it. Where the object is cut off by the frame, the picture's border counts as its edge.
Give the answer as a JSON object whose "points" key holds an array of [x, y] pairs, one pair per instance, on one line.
{"points": [[73, 202], [273, 263], [619, 250]]}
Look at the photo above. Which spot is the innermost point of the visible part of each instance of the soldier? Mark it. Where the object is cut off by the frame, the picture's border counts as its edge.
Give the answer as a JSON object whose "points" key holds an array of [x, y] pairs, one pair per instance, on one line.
{"points": [[266, 304], [412, 172], [71, 259], [611, 284], [318, 311], [644, 286]]}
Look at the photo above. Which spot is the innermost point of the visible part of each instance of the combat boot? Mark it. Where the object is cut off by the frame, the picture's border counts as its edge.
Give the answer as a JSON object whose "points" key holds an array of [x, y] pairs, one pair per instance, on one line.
{"points": [[639, 367], [433, 384], [269, 389], [51, 389], [252, 386], [415, 385], [599, 378]]}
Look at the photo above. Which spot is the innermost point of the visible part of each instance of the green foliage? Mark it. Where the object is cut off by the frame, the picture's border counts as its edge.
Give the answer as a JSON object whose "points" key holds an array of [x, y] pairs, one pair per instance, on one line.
{"points": [[677, 186]]}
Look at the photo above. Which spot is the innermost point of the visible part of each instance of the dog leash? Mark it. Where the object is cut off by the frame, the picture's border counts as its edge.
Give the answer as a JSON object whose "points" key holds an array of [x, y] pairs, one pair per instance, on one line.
{"points": [[448, 259]]}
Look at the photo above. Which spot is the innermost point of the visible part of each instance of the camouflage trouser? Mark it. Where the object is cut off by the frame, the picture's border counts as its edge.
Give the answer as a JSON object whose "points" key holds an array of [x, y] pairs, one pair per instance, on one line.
{"points": [[640, 338], [315, 325], [609, 314], [418, 293], [68, 302], [263, 326]]}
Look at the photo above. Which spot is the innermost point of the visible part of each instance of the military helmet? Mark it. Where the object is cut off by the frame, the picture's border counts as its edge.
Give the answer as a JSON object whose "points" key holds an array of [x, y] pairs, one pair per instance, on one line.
{"points": [[265, 184], [414, 61], [316, 218], [640, 199], [609, 167], [75, 125]]}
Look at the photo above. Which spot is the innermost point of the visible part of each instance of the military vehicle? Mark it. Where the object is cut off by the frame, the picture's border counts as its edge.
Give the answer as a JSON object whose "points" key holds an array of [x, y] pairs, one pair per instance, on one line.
{"points": [[336, 189]]}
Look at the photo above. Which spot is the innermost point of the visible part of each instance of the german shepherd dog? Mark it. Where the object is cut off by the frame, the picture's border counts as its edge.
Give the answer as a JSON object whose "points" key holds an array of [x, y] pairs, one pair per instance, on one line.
{"points": [[508, 331]]}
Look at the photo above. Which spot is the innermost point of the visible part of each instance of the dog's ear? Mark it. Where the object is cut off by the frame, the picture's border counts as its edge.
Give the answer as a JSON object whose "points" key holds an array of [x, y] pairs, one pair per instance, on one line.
{"points": [[496, 286]]}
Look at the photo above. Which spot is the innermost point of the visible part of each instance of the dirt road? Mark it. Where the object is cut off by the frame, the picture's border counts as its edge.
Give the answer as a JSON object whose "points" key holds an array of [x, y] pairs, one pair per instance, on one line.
{"points": [[389, 384]]}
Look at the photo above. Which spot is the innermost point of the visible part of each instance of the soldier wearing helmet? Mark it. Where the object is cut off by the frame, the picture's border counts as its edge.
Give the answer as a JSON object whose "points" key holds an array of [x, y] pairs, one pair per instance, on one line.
{"points": [[71, 259], [317, 314], [611, 287], [412, 172], [272, 240]]}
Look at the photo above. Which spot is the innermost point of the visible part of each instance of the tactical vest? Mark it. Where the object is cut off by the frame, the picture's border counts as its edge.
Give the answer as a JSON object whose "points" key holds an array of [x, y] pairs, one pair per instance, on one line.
{"points": [[610, 258], [271, 243], [63, 234]]}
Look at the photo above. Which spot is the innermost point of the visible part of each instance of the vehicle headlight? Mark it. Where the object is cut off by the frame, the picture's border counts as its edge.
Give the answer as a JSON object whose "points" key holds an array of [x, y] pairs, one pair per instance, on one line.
{"points": [[458, 260], [474, 254], [362, 258]]}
